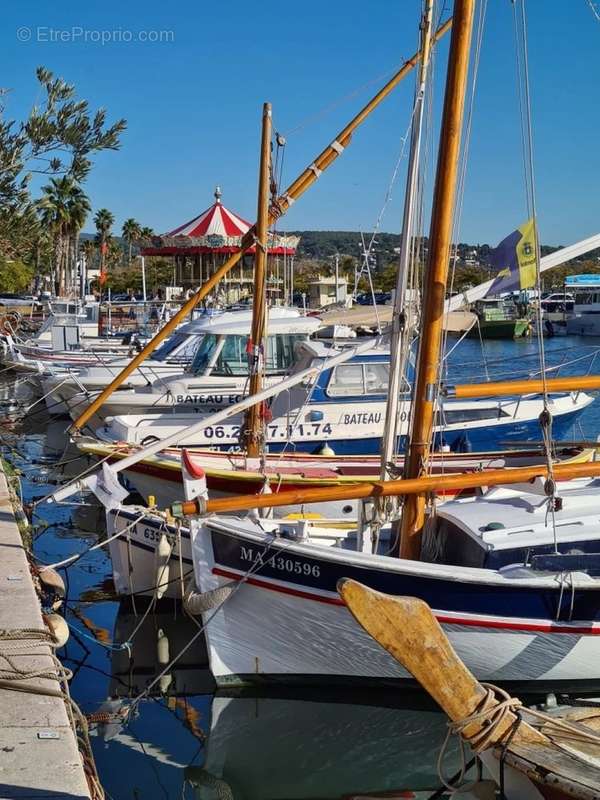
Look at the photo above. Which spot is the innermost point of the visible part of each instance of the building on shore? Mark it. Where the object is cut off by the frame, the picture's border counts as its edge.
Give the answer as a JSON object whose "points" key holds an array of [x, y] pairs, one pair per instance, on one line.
{"points": [[323, 291]]}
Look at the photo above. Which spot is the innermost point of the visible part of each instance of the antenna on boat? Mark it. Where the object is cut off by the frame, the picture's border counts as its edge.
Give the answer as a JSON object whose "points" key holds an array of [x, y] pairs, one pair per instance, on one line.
{"points": [[436, 274]]}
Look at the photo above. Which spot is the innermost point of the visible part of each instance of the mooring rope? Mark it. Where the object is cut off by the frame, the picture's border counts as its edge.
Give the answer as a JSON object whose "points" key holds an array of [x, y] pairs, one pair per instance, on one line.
{"points": [[493, 710]]}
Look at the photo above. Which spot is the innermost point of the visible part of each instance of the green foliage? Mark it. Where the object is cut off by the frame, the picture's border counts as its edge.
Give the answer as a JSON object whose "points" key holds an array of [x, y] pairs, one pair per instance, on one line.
{"points": [[15, 276], [57, 139], [159, 274]]}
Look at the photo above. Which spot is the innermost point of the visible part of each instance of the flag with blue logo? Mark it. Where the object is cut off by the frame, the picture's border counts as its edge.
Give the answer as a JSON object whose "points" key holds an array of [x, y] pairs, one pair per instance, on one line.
{"points": [[515, 260]]}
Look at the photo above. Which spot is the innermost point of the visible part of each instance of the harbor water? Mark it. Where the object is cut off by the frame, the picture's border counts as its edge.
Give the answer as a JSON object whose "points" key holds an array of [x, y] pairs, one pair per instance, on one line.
{"points": [[157, 726]]}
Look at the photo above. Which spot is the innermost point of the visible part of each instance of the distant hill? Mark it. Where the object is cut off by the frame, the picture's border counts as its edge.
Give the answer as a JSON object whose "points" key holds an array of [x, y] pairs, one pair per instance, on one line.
{"points": [[322, 245]]}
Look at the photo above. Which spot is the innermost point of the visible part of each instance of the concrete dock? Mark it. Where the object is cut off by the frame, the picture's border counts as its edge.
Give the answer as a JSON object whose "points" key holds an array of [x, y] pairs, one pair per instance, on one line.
{"points": [[38, 749]]}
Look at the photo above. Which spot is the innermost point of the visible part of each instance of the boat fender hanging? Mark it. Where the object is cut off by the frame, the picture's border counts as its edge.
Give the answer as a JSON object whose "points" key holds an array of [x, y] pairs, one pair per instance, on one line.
{"points": [[164, 656], [163, 556], [52, 581], [326, 450], [196, 602], [162, 648], [58, 627]]}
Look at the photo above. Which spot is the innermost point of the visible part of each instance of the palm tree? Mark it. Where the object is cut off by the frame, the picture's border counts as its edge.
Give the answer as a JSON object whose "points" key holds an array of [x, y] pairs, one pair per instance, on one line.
{"points": [[131, 232], [89, 250], [79, 208], [146, 233], [63, 209], [104, 221]]}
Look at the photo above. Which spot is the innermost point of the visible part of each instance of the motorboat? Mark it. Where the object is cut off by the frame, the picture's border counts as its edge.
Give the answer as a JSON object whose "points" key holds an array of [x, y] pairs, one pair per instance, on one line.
{"points": [[343, 411], [213, 349]]}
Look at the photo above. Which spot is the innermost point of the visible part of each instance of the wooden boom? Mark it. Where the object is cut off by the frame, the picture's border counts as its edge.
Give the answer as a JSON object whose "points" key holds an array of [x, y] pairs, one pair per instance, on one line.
{"points": [[357, 491], [278, 208], [570, 383]]}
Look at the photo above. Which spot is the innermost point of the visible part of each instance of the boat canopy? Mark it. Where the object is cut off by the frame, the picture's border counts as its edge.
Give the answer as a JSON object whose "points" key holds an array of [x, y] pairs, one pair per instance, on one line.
{"points": [[280, 320], [583, 281]]}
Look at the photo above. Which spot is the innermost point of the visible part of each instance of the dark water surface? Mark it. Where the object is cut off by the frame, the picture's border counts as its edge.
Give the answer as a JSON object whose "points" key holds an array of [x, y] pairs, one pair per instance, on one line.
{"points": [[182, 740]]}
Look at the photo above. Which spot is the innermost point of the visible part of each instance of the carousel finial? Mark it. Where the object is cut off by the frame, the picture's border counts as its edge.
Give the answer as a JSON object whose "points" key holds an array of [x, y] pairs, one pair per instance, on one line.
{"points": [[218, 194]]}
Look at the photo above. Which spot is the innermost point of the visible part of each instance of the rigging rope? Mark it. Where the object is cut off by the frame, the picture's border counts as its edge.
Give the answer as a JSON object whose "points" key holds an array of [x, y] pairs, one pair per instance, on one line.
{"points": [[460, 194], [525, 104]]}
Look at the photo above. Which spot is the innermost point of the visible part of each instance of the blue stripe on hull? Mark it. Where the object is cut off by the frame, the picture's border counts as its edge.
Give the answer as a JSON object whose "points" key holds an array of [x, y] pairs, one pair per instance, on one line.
{"points": [[484, 437], [452, 596]]}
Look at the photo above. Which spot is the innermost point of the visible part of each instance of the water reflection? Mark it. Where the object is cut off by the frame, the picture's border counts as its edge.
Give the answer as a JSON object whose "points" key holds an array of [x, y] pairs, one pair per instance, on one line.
{"points": [[181, 740], [322, 746]]}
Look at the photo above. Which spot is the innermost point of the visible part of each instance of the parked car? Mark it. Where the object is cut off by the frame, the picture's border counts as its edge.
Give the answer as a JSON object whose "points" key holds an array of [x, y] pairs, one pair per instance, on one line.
{"points": [[366, 298]]}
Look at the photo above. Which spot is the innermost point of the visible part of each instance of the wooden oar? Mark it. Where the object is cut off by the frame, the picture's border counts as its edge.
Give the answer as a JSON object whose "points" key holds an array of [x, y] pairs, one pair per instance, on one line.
{"points": [[407, 629]]}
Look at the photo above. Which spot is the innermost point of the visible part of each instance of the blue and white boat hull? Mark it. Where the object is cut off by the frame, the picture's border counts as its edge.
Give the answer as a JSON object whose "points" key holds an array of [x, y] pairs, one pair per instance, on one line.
{"points": [[284, 620]]}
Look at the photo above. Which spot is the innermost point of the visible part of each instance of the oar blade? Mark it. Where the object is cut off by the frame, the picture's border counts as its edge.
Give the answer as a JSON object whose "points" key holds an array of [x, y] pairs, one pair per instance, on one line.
{"points": [[408, 630]]}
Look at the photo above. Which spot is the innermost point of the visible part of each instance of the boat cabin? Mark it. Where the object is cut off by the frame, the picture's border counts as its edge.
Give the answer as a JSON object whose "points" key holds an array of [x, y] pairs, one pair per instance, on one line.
{"points": [[224, 351], [585, 291], [516, 529]]}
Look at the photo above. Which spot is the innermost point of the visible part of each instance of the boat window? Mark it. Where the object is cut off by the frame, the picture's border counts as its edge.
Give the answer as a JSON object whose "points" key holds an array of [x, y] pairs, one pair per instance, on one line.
{"points": [[172, 343], [583, 298], [233, 357], [204, 354], [350, 380], [376, 378], [280, 352], [471, 414], [346, 381]]}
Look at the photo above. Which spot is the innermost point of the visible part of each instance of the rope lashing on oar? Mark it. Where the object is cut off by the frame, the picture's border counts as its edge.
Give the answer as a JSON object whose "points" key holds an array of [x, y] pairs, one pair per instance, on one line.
{"points": [[491, 712]]}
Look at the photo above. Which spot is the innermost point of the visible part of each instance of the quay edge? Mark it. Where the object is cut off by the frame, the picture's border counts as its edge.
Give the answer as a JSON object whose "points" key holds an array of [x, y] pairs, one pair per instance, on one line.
{"points": [[39, 756]]}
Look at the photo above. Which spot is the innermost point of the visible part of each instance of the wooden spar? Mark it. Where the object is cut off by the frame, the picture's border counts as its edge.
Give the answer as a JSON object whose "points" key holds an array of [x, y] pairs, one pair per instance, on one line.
{"points": [[257, 344], [570, 383], [436, 276], [401, 325], [279, 207], [405, 487]]}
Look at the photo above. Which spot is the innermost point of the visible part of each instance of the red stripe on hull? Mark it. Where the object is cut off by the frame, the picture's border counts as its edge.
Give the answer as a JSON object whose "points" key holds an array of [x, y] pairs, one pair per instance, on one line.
{"points": [[527, 627]]}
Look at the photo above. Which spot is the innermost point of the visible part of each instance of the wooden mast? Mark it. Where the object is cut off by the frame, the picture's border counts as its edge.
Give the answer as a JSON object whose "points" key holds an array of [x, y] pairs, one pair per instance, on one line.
{"points": [[257, 344], [303, 182], [436, 276]]}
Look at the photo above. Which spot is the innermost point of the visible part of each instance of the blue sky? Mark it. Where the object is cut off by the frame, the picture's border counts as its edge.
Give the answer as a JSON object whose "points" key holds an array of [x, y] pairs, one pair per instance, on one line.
{"points": [[193, 106]]}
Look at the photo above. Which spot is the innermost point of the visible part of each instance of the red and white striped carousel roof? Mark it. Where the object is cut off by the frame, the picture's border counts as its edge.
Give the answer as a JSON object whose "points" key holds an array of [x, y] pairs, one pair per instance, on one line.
{"points": [[215, 221]]}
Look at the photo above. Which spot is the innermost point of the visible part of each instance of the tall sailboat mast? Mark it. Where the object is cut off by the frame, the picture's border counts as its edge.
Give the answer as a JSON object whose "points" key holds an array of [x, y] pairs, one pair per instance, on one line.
{"points": [[436, 275], [257, 344], [400, 330]]}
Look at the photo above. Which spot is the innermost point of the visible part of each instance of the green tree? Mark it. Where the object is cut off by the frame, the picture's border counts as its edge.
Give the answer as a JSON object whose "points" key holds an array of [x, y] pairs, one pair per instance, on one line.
{"points": [[146, 233], [58, 138], [15, 276], [103, 220], [131, 232], [63, 210]]}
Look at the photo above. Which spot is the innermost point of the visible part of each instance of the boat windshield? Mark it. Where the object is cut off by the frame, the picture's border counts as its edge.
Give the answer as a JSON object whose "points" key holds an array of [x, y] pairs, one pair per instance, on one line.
{"points": [[163, 352], [232, 357]]}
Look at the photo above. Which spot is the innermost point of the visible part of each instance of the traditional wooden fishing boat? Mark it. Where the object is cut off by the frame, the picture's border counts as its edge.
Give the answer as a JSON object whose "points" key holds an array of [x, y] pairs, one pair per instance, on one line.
{"points": [[531, 755], [159, 475]]}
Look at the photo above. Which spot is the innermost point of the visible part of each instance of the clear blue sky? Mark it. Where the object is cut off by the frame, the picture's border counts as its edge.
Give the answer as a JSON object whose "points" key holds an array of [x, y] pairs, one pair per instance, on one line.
{"points": [[193, 106]]}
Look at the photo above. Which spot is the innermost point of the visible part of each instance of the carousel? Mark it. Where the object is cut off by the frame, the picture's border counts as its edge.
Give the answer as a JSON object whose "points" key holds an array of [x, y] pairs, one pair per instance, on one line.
{"points": [[200, 246]]}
